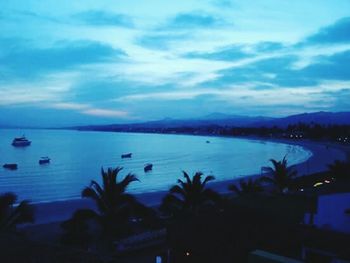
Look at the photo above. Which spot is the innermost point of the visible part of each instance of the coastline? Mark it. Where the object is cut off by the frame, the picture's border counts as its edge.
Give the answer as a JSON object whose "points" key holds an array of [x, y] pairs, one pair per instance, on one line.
{"points": [[323, 153]]}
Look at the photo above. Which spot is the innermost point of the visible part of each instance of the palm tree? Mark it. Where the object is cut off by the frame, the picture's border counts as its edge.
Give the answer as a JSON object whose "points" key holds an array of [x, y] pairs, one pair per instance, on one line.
{"points": [[246, 187], [11, 215], [189, 195], [280, 175], [115, 206], [77, 229], [340, 170]]}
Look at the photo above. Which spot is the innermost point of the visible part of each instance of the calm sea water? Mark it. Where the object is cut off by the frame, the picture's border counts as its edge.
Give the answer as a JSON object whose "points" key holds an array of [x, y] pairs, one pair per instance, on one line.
{"points": [[77, 157]]}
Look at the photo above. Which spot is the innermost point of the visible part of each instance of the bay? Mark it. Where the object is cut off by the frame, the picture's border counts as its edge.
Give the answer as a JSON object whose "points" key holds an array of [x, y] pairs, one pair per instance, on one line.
{"points": [[77, 158]]}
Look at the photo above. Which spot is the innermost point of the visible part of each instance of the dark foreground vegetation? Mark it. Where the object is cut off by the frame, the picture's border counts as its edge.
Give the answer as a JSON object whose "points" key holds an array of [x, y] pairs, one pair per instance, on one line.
{"points": [[193, 223]]}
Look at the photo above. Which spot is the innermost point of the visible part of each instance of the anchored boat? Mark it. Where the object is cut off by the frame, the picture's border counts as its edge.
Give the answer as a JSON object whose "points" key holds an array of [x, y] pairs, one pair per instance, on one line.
{"points": [[21, 142], [10, 166], [148, 167], [126, 155], [44, 160]]}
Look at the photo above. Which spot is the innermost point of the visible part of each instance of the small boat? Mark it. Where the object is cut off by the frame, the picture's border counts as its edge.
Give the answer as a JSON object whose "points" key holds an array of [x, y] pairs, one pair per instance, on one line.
{"points": [[10, 166], [126, 155], [148, 167], [44, 160], [207, 141], [21, 142]]}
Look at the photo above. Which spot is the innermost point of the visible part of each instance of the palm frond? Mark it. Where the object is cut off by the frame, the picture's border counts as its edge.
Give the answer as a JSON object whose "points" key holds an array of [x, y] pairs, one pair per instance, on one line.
{"points": [[275, 163], [197, 178], [192, 192], [208, 179], [267, 169], [129, 178], [188, 179], [114, 174], [89, 192], [98, 189], [176, 189], [23, 213], [12, 215]]}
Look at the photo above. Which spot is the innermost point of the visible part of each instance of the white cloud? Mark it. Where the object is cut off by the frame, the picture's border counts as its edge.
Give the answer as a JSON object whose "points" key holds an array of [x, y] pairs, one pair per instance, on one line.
{"points": [[174, 95], [42, 91], [69, 106], [105, 113], [247, 95]]}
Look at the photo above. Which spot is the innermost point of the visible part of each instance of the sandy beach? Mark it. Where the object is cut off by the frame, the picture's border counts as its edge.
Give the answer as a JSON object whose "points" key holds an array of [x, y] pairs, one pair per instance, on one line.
{"points": [[322, 154]]}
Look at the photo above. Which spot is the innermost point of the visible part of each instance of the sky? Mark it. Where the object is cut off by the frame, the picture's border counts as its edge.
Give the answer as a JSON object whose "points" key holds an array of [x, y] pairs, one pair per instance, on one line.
{"points": [[98, 62]]}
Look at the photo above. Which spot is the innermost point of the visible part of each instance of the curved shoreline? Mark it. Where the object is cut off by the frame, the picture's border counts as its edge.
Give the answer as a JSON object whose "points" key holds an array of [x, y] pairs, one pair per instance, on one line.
{"points": [[322, 155]]}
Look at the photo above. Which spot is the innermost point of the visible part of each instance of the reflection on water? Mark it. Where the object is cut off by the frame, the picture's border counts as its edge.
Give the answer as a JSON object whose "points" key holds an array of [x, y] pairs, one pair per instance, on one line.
{"points": [[77, 157]]}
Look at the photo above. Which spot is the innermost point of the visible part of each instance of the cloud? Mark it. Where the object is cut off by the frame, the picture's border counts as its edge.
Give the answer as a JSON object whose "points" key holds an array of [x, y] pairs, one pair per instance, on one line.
{"points": [[222, 3], [280, 71], [172, 95], [69, 106], [105, 113], [194, 20], [336, 33], [238, 51], [19, 16], [20, 61], [39, 17], [339, 98], [229, 53], [87, 109], [31, 93], [334, 67], [198, 61], [244, 97], [262, 70], [103, 18], [23, 96], [268, 46], [160, 40]]}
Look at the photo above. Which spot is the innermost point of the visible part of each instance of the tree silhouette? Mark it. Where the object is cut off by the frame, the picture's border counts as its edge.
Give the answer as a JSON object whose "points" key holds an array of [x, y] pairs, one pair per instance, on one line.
{"points": [[246, 187], [11, 215], [279, 175], [189, 195], [115, 208]]}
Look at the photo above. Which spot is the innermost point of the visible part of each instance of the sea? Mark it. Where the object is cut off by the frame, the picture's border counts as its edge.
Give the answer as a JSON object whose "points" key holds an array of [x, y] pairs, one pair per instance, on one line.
{"points": [[77, 157]]}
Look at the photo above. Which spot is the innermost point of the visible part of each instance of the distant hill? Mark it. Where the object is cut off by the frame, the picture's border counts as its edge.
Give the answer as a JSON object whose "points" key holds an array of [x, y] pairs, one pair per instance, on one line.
{"points": [[322, 118], [234, 120], [225, 120]]}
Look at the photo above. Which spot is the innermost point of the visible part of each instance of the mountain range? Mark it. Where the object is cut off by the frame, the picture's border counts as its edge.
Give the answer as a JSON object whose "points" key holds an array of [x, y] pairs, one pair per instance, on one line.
{"points": [[221, 119]]}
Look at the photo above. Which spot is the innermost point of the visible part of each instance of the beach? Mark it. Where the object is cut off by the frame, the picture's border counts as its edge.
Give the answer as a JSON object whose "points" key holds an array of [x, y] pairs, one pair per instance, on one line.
{"points": [[322, 154]]}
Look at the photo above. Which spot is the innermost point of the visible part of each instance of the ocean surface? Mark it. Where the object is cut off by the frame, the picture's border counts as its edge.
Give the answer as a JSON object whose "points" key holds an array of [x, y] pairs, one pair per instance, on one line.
{"points": [[77, 158]]}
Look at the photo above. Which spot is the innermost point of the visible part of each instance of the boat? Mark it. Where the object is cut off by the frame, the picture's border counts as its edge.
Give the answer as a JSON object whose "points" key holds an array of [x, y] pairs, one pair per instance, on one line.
{"points": [[44, 160], [207, 141], [148, 167], [21, 142], [10, 166], [126, 155]]}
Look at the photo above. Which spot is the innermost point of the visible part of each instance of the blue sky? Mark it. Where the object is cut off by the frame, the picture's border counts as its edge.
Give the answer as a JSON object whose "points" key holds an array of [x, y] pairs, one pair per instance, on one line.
{"points": [[96, 62]]}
